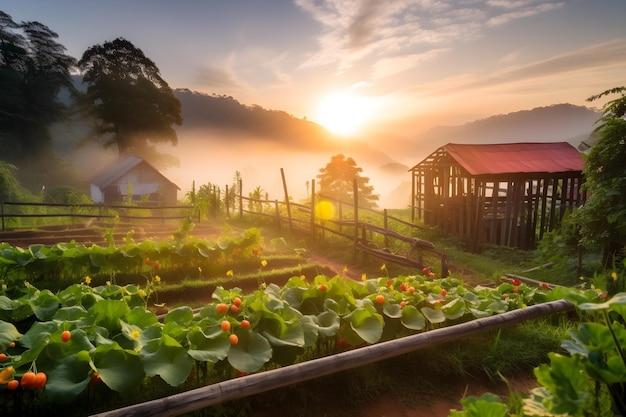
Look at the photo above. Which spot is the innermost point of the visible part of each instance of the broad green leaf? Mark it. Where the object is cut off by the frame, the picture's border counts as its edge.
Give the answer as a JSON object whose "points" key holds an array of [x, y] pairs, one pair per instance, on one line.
{"points": [[328, 322], [68, 378], [45, 305], [392, 310], [120, 369], [368, 325], [454, 309], [207, 347], [166, 358], [181, 315], [8, 334], [487, 405], [433, 316], [412, 318], [251, 353], [107, 313]]}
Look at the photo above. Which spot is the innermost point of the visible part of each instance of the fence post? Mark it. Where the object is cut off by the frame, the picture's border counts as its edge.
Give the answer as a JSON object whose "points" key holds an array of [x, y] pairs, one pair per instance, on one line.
{"points": [[277, 214], [386, 227], [2, 214], [282, 173], [313, 209], [227, 201], [355, 191], [240, 200]]}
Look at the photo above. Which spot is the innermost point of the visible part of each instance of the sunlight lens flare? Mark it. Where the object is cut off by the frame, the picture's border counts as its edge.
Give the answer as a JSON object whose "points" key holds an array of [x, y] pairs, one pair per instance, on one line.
{"points": [[324, 210], [344, 113]]}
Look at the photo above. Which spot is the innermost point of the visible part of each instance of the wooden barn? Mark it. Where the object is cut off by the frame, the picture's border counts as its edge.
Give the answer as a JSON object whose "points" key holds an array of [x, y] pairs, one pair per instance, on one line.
{"points": [[503, 194], [132, 174]]}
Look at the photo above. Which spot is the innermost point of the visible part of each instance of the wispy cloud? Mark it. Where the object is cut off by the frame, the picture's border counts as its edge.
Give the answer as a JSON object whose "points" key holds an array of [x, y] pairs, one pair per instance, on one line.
{"points": [[213, 77], [601, 56], [404, 31]]}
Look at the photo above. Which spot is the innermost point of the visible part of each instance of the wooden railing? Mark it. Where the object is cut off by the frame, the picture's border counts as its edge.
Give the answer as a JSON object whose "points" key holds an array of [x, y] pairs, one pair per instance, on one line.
{"points": [[11, 210]]}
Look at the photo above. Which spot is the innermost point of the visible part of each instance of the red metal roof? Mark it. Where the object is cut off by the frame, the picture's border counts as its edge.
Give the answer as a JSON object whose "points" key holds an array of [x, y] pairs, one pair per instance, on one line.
{"points": [[509, 158]]}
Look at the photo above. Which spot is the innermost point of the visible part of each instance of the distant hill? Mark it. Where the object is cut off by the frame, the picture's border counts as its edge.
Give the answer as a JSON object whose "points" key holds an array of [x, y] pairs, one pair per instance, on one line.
{"points": [[557, 123]]}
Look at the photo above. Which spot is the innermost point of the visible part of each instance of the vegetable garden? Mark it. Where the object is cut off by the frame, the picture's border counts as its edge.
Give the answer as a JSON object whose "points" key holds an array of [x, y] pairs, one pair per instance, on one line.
{"points": [[96, 344]]}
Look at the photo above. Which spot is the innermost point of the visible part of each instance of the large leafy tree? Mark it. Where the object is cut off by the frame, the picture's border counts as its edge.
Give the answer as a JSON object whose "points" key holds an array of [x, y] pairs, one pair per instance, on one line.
{"points": [[34, 69], [602, 219], [337, 182], [132, 105]]}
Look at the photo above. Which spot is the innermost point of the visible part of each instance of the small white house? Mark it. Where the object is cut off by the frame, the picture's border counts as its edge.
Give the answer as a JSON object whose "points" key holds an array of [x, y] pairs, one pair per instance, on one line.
{"points": [[132, 174]]}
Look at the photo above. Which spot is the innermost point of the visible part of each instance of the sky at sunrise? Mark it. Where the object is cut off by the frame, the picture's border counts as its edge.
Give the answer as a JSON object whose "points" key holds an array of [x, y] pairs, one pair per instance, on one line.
{"points": [[356, 64]]}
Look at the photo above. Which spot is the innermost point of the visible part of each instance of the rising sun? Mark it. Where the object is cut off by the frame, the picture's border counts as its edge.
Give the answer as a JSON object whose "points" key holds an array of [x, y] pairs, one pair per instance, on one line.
{"points": [[344, 114]]}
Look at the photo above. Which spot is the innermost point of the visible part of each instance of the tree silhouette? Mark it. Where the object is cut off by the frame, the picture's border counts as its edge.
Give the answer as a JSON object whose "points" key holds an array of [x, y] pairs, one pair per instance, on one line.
{"points": [[131, 103], [34, 69], [337, 182], [602, 219]]}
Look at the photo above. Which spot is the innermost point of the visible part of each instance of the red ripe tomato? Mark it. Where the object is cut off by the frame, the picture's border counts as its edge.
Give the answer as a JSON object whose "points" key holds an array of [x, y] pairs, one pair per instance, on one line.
{"points": [[322, 287], [233, 339], [380, 299], [66, 335], [245, 324], [225, 325], [3, 357], [234, 309], [444, 293], [221, 308], [40, 380], [431, 275], [28, 379], [237, 301], [425, 271], [13, 384]]}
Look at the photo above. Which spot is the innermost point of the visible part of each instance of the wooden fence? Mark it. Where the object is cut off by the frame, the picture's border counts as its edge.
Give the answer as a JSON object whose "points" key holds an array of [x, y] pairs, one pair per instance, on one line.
{"points": [[10, 212], [373, 237], [376, 236]]}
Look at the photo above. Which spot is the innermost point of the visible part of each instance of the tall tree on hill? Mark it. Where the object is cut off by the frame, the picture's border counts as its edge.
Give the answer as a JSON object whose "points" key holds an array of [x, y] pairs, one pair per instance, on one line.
{"points": [[132, 105], [602, 220], [33, 70], [337, 182]]}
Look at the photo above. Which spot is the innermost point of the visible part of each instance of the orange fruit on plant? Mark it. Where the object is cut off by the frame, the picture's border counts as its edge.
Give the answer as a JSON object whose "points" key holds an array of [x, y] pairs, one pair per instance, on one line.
{"points": [[237, 301], [380, 299], [13, 384], [411, 290], [323, 287], [221, 308], [234, 309], [66, 335], [233, 339], [225, 325], [245, 324], [40, 380], [12, 345], [3, 357], [28, 379]]}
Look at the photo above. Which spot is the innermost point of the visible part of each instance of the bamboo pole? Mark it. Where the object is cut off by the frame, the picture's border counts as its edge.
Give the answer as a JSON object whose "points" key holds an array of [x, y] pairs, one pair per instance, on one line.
{"points": [[210, 395]]}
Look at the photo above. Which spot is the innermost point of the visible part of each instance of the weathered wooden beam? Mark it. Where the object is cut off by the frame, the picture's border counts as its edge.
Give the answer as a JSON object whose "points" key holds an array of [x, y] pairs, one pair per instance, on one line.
{"points": [[210, 395]]}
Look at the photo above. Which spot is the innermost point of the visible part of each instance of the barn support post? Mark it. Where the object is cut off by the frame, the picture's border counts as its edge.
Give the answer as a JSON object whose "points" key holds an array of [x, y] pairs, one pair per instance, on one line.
{"points": [[232, 389], [277, 210]]}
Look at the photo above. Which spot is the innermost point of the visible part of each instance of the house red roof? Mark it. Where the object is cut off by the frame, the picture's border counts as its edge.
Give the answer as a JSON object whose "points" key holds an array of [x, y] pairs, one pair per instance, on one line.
{"points": [[509, 158]]}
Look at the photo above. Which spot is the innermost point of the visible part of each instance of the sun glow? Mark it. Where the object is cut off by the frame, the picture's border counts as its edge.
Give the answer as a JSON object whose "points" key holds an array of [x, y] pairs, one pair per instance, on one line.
{"points": [[344, 114]]}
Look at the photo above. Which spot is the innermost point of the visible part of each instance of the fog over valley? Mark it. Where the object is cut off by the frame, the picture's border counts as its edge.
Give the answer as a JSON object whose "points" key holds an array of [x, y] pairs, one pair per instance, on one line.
{"points": [[220, 136]]}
